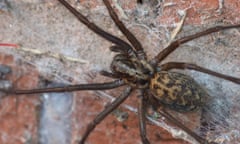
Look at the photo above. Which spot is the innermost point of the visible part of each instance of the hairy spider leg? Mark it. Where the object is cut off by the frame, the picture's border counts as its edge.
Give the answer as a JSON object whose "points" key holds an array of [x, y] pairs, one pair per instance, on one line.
{"points": [[108, 74], [70, 88], [181, 65], [105, 113], [124, 45], [131, 38], [142, 116], [175, 44]]}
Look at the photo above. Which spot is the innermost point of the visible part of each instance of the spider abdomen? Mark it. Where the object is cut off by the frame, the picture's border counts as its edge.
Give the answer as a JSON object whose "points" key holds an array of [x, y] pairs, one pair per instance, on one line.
{"points": [[177, 91]]}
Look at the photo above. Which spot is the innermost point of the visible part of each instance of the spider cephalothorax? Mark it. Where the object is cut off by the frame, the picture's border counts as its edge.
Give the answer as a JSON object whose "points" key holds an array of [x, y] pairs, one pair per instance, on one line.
{"points": [[131, 67], [133, 71]]}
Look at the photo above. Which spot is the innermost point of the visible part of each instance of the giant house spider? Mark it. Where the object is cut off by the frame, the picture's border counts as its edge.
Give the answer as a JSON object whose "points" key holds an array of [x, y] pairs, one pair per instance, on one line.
{"points": [[157, 84]]}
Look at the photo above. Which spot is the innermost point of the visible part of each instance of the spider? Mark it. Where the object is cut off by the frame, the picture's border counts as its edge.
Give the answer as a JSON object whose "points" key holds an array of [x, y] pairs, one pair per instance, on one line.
{"points": [[130, 67]]}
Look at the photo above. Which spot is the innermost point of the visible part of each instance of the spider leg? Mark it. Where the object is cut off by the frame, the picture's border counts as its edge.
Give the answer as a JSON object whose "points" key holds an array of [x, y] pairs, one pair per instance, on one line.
{"points": [[175, 44], [69, 88], [132, 39], [180, 65], [142, 118], [169, 117], [108, 74], [124, 45], [105, 113]]}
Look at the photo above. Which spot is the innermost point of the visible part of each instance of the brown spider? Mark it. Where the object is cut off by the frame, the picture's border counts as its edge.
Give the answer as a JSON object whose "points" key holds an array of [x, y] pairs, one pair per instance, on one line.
{"points": [[155, 82]]}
